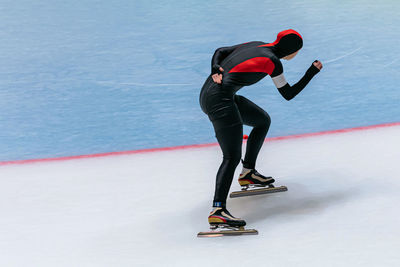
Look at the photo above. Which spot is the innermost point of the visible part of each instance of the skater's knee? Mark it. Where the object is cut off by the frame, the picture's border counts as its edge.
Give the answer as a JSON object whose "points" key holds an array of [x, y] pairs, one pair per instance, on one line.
{"points": [[267, 120], [264, 122], [233, 158], [236, 159]]}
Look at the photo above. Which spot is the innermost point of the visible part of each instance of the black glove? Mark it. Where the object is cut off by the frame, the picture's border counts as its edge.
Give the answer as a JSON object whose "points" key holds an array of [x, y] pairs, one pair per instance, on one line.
{"points": [[215, 69], [312, 70]]}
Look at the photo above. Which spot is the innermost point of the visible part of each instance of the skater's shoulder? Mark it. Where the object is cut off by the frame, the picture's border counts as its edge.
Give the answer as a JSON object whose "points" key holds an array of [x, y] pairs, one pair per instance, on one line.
{"points": [[251, 44], [273, 56]]}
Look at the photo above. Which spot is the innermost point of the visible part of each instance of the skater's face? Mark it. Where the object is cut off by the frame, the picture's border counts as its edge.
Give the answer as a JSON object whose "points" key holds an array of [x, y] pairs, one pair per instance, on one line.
{"points": [[289, 57]]}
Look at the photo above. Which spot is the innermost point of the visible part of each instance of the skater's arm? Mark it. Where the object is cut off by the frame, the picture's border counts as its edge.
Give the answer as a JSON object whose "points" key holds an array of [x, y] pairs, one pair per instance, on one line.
{"points": [[219, 55], [288, 91]]}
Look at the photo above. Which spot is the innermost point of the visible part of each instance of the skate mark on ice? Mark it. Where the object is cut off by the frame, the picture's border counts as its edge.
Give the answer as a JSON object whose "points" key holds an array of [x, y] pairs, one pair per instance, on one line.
{"points": [[391, 63], [346, 55], [145, 84]]}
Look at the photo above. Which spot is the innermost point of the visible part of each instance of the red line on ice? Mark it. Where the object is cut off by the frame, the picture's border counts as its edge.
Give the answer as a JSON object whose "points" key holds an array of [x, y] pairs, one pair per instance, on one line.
{"points": [[196, 146]]}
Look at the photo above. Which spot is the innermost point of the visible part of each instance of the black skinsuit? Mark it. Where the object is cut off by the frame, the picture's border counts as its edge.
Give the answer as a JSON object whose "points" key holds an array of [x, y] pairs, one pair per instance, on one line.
{"points": [[243, 65]]}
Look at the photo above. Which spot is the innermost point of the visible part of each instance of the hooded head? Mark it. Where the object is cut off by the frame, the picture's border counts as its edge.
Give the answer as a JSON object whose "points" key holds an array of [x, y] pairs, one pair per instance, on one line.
{"points": [[287, 42]]}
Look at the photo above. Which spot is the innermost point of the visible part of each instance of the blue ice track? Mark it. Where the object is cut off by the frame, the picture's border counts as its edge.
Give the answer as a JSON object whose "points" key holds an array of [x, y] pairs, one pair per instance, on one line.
{"points": [[83, 77]]}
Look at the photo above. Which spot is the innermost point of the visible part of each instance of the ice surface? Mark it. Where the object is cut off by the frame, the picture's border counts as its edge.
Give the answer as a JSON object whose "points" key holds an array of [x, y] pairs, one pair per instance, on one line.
{"points": [[146, 209], [89, 76]]}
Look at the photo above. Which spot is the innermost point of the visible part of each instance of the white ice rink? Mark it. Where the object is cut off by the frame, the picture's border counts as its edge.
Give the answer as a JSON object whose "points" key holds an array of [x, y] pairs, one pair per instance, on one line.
{"points": [[342, 208]]}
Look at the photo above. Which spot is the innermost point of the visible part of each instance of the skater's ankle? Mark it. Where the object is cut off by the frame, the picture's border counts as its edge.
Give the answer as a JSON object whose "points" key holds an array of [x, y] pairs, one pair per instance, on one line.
{"points": [[219, 204], [247, 166]]}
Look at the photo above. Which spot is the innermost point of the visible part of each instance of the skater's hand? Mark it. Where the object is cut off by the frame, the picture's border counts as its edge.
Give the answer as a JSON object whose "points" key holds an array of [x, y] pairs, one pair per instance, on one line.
{"points": [[217, 78], [318, 64]]}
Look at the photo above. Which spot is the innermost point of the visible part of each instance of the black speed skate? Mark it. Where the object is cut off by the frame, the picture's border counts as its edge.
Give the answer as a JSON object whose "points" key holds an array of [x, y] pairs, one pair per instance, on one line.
{"points": [[253, 178], [257, 183], [221, 218]]}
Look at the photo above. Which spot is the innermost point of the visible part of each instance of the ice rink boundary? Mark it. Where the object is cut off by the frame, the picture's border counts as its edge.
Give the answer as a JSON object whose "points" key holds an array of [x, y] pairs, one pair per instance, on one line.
{"points": [[149, 150]]}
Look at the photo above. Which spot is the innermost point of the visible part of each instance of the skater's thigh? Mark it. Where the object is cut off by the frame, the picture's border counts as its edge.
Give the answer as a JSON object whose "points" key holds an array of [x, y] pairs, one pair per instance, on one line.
{"points": [[223, 112], [230, 140], [218, 102], [250, 113]]}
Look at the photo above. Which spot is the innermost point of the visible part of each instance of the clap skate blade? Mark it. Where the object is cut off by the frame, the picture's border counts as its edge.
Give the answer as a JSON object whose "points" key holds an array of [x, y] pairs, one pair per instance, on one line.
{"points": [[251, 190], [232, 231]]}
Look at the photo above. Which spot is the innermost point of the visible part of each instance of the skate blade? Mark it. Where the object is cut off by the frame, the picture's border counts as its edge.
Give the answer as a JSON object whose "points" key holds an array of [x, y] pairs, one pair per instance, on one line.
{"points": [[219, 233], [261, 191]]}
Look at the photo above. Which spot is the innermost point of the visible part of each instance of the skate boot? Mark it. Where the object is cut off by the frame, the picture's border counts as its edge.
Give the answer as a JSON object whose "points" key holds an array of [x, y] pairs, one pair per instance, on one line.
{"points": [[252, 178], [220, 217]]}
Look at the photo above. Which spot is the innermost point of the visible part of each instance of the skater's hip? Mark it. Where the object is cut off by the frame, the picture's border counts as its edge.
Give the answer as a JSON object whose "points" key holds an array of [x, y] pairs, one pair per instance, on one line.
{"points": [[221, 108], [214, 97]]}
